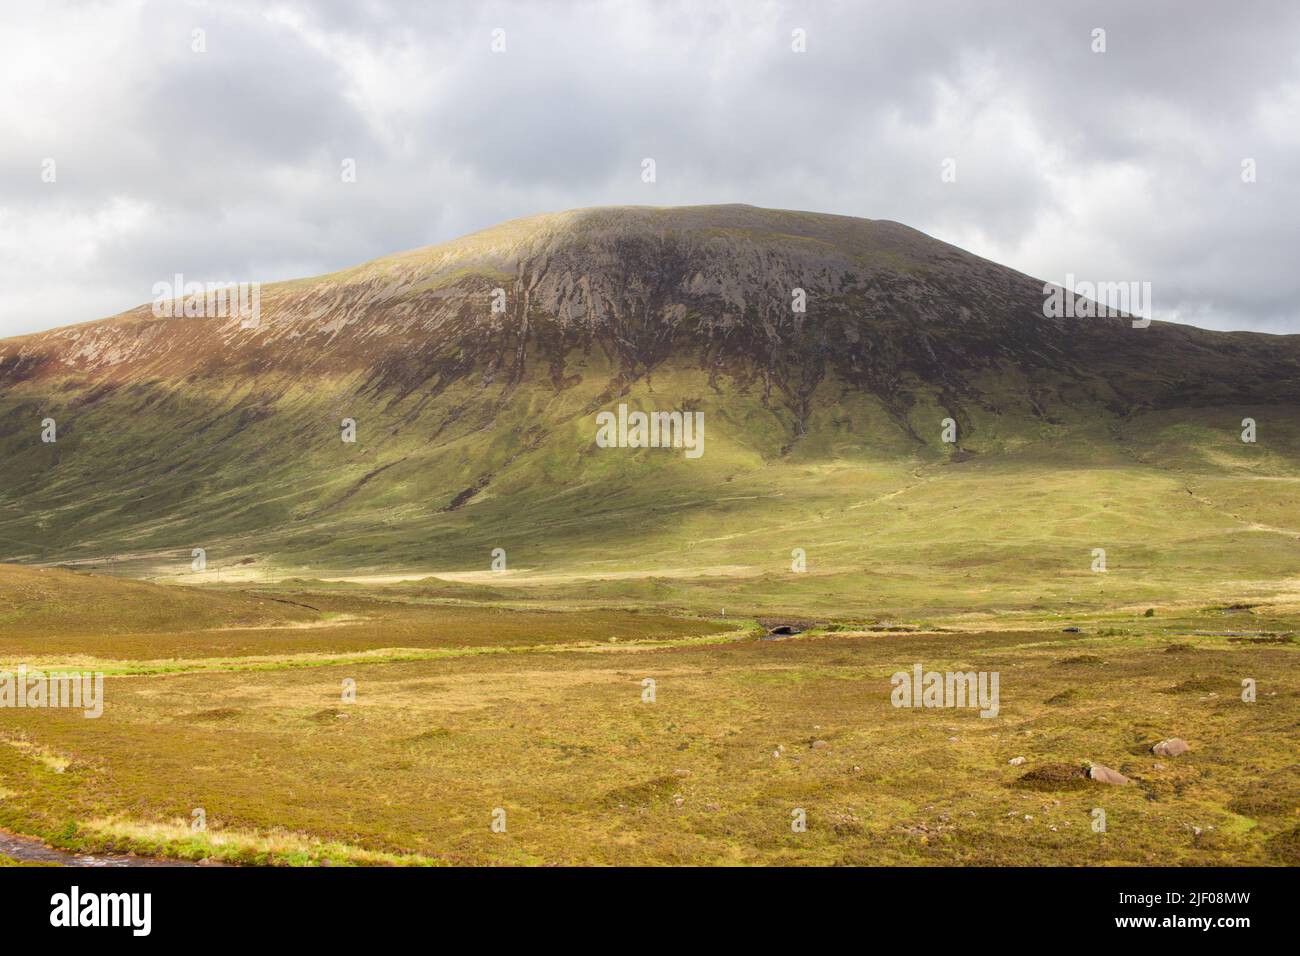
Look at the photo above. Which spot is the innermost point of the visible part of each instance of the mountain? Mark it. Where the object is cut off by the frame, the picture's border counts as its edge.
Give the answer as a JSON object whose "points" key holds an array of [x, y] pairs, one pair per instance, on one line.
{"points": [[474, 371]]}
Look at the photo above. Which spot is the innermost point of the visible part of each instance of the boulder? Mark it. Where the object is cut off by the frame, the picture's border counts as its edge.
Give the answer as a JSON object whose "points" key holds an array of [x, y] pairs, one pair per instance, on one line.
{"points": [[1173, 747], [1105, 775]]}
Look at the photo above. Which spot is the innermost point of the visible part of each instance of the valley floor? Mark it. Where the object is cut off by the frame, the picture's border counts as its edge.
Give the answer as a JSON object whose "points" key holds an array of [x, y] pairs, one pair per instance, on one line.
{"points": [[632, 737]]}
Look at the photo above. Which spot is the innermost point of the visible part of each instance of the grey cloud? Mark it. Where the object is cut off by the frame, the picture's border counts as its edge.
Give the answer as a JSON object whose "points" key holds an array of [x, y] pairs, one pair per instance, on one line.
{"points": [[1123, 165]]}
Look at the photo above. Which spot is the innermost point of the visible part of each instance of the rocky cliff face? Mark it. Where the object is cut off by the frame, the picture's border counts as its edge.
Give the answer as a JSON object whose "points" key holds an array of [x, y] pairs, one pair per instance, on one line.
{"points": [[714, 287]]}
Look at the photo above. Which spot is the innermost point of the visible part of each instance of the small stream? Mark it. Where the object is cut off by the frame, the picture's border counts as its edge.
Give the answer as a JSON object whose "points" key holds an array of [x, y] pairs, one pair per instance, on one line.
{"points": [[27, 849]]}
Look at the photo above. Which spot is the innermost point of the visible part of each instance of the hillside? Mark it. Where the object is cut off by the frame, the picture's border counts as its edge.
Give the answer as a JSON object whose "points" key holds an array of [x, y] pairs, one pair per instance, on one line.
{"points": [[475, 428], [52, 598]]}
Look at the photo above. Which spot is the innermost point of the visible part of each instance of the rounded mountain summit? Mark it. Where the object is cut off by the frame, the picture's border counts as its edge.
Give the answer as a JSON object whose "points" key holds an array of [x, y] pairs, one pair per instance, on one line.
{"points": [[472, 371]]}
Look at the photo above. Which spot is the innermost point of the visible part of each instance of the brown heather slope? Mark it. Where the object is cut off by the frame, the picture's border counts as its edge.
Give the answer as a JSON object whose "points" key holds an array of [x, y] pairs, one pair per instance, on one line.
{"points": [[49, 601], [708, 286]]}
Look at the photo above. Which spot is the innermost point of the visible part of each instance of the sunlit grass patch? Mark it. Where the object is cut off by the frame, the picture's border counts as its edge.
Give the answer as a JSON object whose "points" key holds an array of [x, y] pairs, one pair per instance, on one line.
{"points": [[177, 839]]}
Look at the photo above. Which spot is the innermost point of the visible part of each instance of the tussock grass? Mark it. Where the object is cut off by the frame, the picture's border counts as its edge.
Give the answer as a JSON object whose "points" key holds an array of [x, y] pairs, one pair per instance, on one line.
{"points": [[177, 839]]}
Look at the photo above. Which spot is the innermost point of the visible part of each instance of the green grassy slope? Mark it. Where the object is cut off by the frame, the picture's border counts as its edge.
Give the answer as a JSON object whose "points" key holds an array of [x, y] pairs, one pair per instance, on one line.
{"points": [[886, 519], [475, 430]]}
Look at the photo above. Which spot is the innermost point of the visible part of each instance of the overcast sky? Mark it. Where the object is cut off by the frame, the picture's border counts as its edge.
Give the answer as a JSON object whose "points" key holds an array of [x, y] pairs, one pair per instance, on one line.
{"points": [[227, 164]]}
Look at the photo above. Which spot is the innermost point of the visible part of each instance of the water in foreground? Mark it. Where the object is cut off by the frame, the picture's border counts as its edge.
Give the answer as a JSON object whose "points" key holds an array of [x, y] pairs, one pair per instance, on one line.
{"points": [[24, 849]]}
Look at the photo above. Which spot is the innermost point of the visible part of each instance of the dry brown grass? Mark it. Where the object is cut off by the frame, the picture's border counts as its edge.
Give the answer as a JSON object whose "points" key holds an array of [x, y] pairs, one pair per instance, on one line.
{"points": [[559, 737]]}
